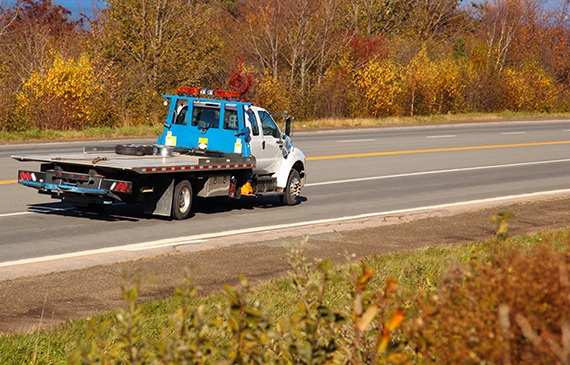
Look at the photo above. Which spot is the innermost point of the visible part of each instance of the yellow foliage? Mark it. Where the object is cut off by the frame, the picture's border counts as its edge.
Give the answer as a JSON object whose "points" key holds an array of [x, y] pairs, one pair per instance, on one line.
{"points": [[271, 94], [529, 89], [379, 84], [451, 79], [421, 87], [419, 81], [62, 96], [433, 87]]}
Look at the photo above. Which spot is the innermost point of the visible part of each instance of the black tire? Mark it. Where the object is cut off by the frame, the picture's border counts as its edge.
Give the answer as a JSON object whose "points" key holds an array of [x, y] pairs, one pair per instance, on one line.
{"points": [[134, 149], [293, 189], [182, 200]]}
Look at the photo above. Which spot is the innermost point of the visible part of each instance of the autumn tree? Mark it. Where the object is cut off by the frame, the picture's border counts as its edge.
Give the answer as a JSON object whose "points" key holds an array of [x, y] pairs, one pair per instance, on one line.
{"points": [[68, 95], [435, 19], [295, 42], [32, 32], [155, 46], [372, 17], [500, 21]]}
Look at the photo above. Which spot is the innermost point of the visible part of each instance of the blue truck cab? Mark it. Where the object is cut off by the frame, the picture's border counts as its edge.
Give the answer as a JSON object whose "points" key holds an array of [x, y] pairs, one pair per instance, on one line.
{"points": [[206, 124]]}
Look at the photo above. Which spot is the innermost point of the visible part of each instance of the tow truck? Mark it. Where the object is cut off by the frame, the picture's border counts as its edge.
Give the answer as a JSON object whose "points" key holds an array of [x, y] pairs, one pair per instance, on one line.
{"points": [[212, 145]]}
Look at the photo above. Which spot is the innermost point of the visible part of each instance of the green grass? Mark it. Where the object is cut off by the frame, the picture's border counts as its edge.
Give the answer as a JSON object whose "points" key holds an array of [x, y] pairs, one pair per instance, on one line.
{"points": [[153, 131], [416, 271]]}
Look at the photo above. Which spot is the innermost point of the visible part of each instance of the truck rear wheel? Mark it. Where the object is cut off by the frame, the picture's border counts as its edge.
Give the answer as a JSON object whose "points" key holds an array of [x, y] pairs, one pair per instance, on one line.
{"points": [[293, 189], [182, 201]]}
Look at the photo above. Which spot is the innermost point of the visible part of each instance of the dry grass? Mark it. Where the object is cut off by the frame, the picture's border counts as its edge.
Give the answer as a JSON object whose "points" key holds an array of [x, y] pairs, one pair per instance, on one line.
{"points": [[152, 131], [432, 119], [89, 133]]}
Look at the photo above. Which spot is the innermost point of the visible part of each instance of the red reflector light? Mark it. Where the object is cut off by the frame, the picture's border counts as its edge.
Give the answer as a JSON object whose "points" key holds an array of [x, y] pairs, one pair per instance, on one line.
{"points": [[123, 187], [22, 175], [28, 177], [189, 90], [227, 94]]}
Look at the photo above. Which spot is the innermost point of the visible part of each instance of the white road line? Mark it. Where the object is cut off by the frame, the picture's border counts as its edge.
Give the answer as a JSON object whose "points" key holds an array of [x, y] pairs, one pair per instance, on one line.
{"points": [[203, 237], [48, 210], [445, 136], [363, 179], [132, 247], [513, 133], [13, 214], [356, 140], [435, 172]]}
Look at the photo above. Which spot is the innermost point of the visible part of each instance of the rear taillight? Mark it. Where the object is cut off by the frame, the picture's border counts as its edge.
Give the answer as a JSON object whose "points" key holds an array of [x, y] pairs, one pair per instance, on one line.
{"points": [[123, 187], [27, 176]]}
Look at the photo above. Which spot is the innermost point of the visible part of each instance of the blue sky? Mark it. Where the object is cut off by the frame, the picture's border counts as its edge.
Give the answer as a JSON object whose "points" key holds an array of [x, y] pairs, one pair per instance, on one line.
{"points": [[77, 6]]}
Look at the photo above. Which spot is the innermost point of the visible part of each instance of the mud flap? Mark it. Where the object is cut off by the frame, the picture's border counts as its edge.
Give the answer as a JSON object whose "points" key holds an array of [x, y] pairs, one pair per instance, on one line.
{"points": [[160, 201]]}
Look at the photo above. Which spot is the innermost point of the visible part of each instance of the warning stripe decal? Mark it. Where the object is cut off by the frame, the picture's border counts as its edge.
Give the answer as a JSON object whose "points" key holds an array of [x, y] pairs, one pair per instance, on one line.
{"points": [[197, 167]]}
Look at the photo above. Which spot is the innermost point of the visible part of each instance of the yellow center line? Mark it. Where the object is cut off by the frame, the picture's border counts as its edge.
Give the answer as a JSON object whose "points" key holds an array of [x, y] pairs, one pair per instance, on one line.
{"points": [[436, 150], [406, 152]]}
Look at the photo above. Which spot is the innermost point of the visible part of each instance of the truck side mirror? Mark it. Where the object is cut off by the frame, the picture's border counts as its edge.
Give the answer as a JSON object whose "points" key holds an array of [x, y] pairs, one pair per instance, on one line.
{"points": [[288, 126], [244, 132]]}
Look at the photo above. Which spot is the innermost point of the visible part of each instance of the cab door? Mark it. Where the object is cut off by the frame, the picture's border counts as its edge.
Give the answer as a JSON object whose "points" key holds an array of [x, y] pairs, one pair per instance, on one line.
{"points": [[265, 141]]}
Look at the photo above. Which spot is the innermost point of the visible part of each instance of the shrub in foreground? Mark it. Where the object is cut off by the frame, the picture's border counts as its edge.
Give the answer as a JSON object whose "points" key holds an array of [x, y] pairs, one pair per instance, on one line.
{"points": [[241, 333], [509, 304], [512, 307]]}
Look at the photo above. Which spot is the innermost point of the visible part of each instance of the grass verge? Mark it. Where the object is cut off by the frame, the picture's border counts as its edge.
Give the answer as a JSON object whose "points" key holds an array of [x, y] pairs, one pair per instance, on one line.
{"points": [[88, 133], [153, 131], [430, 119], [416, 272]]}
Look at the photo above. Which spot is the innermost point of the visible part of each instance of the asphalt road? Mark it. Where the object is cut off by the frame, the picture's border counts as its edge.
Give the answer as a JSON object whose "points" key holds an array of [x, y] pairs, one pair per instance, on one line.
{"points": [[350, 172]]}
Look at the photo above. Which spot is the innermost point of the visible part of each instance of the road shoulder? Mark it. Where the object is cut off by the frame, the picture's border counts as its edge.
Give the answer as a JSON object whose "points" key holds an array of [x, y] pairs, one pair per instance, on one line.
{"points": [[44, 299]]}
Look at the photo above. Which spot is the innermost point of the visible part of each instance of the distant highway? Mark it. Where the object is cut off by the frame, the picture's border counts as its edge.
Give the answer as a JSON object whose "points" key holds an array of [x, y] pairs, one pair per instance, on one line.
{"points": [[350, 173]]}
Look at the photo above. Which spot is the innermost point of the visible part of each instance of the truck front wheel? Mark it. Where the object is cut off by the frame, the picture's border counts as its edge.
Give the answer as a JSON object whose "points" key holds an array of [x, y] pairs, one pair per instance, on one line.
{"points": [[182, 201], [293, 189]]}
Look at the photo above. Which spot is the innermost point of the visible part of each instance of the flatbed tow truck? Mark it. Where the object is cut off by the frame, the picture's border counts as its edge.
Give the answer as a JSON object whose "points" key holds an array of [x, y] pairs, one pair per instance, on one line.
{"points": [[210, 147]]}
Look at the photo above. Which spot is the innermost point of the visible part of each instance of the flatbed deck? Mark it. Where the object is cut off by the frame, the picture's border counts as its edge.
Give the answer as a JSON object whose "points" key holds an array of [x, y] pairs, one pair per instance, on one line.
{"points": [[149, 164]]}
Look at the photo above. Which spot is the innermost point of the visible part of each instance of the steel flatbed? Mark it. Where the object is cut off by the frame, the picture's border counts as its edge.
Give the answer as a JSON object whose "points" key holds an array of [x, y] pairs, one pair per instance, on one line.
{"points": [[105, 157]]}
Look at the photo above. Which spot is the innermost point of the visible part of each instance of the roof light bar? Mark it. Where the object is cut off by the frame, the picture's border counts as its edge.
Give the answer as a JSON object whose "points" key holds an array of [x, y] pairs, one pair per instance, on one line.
{"points": [[209, 92]]}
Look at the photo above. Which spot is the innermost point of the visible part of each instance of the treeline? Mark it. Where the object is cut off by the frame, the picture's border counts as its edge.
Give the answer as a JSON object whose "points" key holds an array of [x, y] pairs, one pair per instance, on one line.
{"points": [[315, 58]]}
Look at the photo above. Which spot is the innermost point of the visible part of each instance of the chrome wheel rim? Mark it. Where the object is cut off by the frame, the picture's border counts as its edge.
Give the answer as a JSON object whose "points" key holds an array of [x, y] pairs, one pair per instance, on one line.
{"points": [[295, 188], [184, 200]]}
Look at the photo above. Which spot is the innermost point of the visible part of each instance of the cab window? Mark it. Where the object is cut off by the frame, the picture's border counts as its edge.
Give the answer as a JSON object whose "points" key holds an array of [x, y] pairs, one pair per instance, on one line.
{"points": [[230, 118], [268, 125], [181, 112], [253, 122], [205, 116]]}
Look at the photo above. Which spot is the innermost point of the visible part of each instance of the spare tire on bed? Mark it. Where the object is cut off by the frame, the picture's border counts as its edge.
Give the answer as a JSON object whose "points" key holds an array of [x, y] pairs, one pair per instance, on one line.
{"points": [[134, 149]]}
